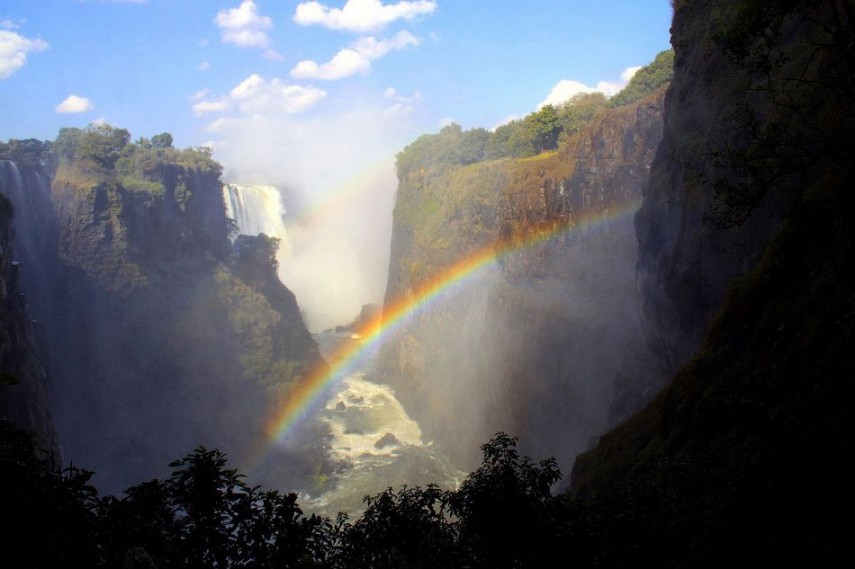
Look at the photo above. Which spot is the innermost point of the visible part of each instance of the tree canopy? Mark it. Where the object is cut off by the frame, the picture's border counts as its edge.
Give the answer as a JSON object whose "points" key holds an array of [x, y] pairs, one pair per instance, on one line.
{"points": [[537, 132], [647, 79]]}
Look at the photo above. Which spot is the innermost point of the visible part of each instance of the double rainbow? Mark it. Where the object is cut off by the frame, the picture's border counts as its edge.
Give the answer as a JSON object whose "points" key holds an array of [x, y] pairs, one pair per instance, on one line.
{"points": [[304, 398]]}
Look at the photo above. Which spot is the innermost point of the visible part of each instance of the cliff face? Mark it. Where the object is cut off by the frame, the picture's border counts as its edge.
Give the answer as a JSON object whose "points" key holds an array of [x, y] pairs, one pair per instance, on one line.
{"points": [[510, 347], [745, 242], [25, 390], [160, 339]]}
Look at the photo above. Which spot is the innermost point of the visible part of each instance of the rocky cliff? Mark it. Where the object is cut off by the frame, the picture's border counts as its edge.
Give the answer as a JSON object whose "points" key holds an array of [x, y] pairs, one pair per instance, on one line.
{"points": [[25, 388], [745, 242], [532, 343], [162, 337]]}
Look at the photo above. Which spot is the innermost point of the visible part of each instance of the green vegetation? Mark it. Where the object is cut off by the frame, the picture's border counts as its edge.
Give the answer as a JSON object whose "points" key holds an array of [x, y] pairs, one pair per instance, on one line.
{"points": [[647, 80], [538, 132], [28, 152], [109, 151], [257, 250], [204, 515]]}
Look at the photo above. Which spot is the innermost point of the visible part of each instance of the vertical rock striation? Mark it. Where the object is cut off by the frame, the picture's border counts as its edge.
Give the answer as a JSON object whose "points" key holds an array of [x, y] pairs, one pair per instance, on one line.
{"points": [[745, 241], [162, 337], [532, 344]]}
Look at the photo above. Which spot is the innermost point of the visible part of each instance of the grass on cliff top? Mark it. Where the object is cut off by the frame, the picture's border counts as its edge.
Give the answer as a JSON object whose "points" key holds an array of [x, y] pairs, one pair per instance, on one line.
{"points": [[452, 212]]}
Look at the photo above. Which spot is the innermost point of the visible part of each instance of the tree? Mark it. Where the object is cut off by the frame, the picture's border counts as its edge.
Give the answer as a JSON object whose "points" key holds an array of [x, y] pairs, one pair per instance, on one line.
{"points": [[647, 79], [162, 140], [101, 144], [472, 145], [258, 251], [578, 112], [409, 528], [543, 128], [506, 508]]}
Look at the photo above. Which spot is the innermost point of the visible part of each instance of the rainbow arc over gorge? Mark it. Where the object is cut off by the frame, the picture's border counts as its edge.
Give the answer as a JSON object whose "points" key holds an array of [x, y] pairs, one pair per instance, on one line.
{"points": [[307, 395]]}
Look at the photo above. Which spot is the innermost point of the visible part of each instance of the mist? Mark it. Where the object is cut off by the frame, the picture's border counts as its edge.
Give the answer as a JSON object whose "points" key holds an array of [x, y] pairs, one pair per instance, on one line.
{"points": [[336, 173]]}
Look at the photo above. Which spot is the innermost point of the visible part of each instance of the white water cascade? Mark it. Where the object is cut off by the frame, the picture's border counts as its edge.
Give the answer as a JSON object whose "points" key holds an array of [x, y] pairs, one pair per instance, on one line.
{"points": [[370, 443], [373, 442], [258, 209]]}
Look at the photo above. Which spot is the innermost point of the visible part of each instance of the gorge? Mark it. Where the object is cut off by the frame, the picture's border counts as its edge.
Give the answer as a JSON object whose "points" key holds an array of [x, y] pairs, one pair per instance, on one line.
{"points": [[660, 299]]}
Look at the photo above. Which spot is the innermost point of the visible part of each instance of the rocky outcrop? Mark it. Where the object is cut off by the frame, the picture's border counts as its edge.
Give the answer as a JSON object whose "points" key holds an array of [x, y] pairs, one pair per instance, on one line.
{"points": [[532, 342], [161, 338], [745, 247]]}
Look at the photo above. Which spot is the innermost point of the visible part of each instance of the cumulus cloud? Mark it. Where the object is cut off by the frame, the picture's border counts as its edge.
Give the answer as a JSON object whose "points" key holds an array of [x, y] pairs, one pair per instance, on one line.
{"points": [[360, 15], [629, 73], [345, 63], [14, 49], [204, 107], [245, 27], [75, 104], [355, 59], [566, 89], [256, 94]]}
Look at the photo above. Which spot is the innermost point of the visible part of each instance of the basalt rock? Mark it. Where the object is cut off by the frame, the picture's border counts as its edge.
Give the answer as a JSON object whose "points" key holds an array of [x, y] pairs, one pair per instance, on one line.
{"points": [[531, 343]]}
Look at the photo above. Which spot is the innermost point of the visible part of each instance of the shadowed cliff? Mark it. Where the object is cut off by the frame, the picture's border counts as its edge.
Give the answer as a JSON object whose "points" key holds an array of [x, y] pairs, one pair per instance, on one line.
{"points": [[531, 344], [162, 336], [745, 457]]}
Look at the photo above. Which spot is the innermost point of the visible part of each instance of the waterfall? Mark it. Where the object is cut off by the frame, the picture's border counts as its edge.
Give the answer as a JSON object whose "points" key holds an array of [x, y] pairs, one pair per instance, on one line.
{"points": [[258, 209], [36, 230]]}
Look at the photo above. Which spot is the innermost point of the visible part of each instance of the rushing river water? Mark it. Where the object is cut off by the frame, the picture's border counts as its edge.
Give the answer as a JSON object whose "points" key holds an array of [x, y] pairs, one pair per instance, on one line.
{"points": [[372, 443], [362, 436]]}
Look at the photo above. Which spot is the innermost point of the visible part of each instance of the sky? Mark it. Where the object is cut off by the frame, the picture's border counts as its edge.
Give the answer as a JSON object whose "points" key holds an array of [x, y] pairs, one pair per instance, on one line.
{"points": [[314, 97]]}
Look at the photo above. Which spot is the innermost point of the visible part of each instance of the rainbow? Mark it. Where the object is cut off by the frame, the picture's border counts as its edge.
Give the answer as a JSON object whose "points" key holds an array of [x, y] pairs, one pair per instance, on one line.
{"points": [[301, 401]]}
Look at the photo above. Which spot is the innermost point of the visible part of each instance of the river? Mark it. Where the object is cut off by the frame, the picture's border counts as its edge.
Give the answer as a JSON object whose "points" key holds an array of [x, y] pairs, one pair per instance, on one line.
{"points": [[371, 443]]}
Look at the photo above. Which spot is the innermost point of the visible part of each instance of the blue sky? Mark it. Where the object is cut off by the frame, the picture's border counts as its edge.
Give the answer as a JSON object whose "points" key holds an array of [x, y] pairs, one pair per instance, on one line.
{"points": [[140, 63], [311, 95]]}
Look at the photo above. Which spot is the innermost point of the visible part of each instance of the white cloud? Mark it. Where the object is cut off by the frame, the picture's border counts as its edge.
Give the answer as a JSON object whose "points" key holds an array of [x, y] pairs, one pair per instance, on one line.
{"points": [[258, 95], [14, 49], [204, 66], [373, 49], [345, 63], [400, 104], [75, 104], [360, 15], [355, 59], [629, 73], [204, 107], [244, 26], [566, 89]]}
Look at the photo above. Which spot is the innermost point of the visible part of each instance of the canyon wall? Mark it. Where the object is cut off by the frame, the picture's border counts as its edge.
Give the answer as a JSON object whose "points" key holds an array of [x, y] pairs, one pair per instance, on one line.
{"points": [[162, 335], [533, 342]]}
